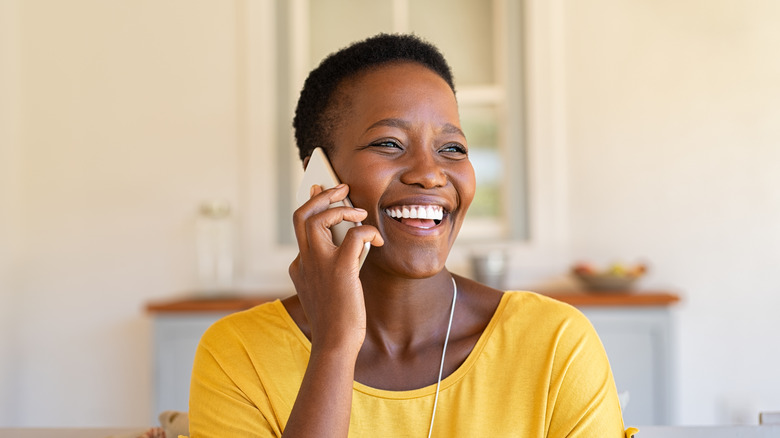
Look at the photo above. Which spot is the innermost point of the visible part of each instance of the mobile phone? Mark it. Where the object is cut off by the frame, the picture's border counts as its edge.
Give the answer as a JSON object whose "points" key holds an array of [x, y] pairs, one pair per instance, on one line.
{"points": [[320, 172]]}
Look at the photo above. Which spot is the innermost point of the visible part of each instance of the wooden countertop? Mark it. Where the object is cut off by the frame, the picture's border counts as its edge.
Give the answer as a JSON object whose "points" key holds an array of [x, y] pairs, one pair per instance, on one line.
{"points": [[614, 299], [237, 303], [207, 304]]}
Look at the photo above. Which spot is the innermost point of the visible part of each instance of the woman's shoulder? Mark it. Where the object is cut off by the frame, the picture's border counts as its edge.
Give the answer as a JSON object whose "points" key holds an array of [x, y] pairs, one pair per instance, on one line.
{"points": [[259, 321], [517, 311], [538, 302], [534, 309]]}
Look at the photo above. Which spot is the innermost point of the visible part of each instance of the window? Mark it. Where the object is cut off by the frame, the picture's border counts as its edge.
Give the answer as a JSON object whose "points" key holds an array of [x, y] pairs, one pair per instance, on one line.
{"points": [[514, 110], [481, 41]]}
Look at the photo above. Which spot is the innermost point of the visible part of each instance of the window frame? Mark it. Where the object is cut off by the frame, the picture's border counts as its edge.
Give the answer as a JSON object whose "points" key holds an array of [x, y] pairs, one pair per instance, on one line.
{"points": [[264, 261]]}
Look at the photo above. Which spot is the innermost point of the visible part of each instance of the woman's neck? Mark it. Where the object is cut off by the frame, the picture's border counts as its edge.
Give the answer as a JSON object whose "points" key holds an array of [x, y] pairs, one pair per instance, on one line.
{"points": [[402, 312]]}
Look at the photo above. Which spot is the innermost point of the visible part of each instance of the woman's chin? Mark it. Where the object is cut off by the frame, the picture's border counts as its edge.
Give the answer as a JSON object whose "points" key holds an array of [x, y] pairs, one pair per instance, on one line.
{"points": [[420, 265]]}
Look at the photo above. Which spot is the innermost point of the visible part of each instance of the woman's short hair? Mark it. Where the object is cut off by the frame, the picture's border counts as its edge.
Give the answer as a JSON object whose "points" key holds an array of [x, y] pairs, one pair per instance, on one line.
{"points": [[317, 112]]}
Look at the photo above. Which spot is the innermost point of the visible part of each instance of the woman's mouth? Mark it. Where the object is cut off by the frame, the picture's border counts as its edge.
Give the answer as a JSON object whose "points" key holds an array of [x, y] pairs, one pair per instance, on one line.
{"points": [[418, 216]]}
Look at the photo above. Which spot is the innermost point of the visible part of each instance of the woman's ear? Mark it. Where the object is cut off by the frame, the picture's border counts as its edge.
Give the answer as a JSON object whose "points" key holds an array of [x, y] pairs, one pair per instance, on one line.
{"points": [[306, 162]]}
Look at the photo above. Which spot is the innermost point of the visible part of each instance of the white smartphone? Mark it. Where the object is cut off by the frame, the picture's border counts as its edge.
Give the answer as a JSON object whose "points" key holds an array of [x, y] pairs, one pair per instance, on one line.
{"points": [[320, 172]]}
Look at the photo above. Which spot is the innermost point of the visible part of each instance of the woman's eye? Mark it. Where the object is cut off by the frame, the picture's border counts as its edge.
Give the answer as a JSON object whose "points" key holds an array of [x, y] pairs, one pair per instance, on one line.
{"points": [[386, 144], [455, 148]]}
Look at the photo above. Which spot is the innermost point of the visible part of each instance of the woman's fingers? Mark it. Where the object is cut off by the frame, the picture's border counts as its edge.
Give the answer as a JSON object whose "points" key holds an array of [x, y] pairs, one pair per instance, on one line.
{"points": [[359, 236], [320, 201], [313, 220], [352, 248], [320, 238], [319, 225]]}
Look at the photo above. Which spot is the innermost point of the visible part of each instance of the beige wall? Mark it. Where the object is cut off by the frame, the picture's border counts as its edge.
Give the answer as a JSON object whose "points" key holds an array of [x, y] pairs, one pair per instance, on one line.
{"points": [[9, 170], [673, 133], [126, 120], [123, 116]]}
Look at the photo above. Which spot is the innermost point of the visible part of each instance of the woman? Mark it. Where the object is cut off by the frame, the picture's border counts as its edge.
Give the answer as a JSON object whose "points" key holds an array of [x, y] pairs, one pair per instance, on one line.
{"points": [[399, 347]]}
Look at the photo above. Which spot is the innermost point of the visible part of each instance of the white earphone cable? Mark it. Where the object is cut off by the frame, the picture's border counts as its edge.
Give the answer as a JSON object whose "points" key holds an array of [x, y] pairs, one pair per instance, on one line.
{"points": [[443, 353]]}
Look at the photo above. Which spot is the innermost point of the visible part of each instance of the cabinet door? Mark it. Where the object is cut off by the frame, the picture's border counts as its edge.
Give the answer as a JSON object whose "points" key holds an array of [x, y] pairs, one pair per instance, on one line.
{"points": [[637, 342], [175, 341]]}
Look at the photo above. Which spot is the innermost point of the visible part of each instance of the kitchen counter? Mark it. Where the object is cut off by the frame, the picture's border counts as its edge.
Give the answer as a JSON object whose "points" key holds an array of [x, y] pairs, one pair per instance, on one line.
{"points": [[235, 303]]}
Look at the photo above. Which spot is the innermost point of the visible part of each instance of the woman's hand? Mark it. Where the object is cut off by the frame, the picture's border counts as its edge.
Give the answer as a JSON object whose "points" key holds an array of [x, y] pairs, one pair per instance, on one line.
{"points": [[326, 276], [331, 295]]}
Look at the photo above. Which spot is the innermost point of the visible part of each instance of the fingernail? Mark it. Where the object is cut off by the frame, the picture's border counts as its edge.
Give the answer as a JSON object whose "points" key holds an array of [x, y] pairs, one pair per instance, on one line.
{"points": [[360, 209], [311, 190], [342, 185]]}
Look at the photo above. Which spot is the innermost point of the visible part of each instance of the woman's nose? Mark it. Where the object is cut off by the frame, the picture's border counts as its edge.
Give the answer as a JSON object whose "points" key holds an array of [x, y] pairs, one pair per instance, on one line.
{"points": [[424, 170]]}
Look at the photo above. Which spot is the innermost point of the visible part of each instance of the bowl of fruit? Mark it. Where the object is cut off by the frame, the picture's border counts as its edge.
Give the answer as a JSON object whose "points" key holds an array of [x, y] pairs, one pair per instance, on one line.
{"points": [[615, 278]]}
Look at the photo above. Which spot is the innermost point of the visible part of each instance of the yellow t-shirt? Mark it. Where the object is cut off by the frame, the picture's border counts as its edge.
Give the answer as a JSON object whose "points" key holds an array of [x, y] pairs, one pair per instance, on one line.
{"points": [[538, 370]]}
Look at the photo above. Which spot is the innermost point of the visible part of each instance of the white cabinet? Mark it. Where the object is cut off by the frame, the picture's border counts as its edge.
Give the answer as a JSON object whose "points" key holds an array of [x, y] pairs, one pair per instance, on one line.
{"points": [[638, 343], [176, 336]]}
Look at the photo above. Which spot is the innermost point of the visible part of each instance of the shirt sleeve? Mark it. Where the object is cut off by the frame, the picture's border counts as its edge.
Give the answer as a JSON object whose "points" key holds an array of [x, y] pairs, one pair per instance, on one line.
{"points": [[218, 405], [583, 393]]}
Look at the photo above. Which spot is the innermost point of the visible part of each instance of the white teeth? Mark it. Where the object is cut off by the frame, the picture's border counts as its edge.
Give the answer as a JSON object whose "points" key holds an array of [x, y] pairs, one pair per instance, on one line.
{"points": [[434, 212]]}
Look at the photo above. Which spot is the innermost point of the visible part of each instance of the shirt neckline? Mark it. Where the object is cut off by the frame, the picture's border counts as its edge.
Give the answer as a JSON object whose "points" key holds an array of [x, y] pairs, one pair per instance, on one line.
{"points": [[450, 380]]}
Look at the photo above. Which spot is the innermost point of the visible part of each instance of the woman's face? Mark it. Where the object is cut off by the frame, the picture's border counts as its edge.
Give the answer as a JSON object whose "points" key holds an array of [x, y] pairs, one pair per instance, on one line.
{"points": [[399, 147]]}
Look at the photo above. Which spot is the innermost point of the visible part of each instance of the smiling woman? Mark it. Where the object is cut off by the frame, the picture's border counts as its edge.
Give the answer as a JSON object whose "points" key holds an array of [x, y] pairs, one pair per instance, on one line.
{"points": [[399, 346], [402, 148]]}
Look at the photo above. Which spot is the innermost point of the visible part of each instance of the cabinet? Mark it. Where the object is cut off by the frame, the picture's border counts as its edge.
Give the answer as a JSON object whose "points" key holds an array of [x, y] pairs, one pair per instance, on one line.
{"points": [[637, 331], [177, 328], [638, 344], [175, 340]]}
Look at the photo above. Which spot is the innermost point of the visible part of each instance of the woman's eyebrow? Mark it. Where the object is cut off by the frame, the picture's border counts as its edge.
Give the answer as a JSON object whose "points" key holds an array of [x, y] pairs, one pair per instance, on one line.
{"points": [[392, 123], [448, 128]]}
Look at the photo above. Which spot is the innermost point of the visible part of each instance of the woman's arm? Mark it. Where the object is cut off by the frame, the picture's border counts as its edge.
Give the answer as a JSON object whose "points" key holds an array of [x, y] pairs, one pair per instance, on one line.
{"points": [[324, 402], [331, 295]]}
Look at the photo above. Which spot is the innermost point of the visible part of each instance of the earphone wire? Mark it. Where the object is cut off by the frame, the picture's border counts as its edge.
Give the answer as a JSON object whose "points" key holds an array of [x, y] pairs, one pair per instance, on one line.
{"points": [[443, 354]]}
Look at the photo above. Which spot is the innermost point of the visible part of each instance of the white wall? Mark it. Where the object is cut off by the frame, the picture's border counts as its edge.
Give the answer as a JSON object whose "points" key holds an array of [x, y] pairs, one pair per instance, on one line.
{"points": [[673, 133], [127, 121], [9, 176], [123, 116]]}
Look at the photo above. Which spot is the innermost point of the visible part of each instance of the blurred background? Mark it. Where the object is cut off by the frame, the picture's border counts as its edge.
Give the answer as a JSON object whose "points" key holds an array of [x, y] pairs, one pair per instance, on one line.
{"points": [[601, 130]]}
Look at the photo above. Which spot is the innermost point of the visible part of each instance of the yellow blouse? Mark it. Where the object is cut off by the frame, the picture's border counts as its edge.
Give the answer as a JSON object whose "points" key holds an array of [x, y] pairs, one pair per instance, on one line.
{"points": [[538, 370]]}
